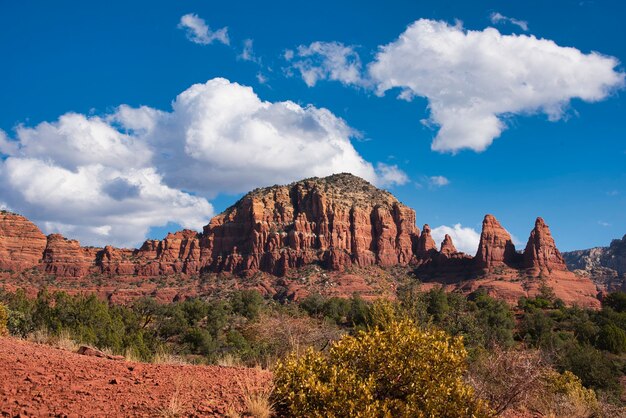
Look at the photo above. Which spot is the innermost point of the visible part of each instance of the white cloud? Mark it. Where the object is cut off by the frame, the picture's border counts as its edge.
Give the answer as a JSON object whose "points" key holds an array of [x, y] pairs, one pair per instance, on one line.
{"points": [[221, 137], [389, 175], [109, 179], [77, 141], [247, 53], [438, 181], [6, 147], [326, 61], [199, 32], [497, 18], [604, 224], [96, 198], [465, 239], [472, 78]]}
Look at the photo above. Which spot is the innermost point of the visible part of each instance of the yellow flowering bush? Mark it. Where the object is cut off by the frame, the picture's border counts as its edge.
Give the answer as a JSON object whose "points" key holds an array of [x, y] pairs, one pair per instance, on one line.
{"points": [[4, 317], [566, 396], [398, 371]]}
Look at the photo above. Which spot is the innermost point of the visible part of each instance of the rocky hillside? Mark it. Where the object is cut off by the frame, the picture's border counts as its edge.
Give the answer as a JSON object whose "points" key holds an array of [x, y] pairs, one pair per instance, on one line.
{"points": [[338, 223], [605, 265]]}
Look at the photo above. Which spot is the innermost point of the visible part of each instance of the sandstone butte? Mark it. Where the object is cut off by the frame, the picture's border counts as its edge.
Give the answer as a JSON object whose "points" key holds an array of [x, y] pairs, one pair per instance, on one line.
{"points": [[337, 222]]}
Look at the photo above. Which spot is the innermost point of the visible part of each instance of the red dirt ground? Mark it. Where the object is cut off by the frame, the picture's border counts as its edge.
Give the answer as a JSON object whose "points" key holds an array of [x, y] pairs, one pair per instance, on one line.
{"points": [[38, 380]]}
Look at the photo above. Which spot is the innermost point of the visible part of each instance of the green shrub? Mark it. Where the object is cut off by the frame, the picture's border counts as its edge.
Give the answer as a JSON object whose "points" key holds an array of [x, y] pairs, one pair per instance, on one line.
{"points": [[615, 301], [495, 320], [399, 371], [247, 303], [612, 338], [593, 368]]}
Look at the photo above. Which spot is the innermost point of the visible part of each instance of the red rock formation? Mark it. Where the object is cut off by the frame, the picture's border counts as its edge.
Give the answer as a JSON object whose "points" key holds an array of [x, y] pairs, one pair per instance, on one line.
{"points": [[338, 221], [541, 251], [495, 247], [447, 246], [66, 258], [425, 243], [21, 242]]}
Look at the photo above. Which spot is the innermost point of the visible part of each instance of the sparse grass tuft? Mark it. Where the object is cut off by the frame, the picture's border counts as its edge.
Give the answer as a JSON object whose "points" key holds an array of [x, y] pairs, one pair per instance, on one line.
{"points": [[177, 405], [257, 399], [132, 355], [63, 341], [229, 360], [162, 357]]}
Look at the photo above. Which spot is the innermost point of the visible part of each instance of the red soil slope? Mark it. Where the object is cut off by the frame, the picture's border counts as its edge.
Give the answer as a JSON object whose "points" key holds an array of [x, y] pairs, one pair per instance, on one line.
{"points": [[37, 380]]}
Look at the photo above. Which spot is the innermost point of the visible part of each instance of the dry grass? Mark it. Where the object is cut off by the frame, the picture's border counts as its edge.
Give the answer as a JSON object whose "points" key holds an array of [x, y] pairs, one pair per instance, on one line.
{"points": [[107, 350], [161, 357], [177, 405], [256, 399], [132, 355], [63, 341], [232, 413], [229, 360]]}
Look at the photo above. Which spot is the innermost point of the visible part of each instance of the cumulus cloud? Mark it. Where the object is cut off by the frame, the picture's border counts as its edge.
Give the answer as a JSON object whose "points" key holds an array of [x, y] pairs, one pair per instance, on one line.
{"points": [[465, 239], [221, 137], [6, 147], [99, 203], [472, 78], [498, 18], [326, 61], [108, 179], [199, 32], [389, 175]]}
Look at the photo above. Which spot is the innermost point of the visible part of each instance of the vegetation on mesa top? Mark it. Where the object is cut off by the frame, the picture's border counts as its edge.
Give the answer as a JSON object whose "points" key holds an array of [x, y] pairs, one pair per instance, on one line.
{"points": [[344, 187]]}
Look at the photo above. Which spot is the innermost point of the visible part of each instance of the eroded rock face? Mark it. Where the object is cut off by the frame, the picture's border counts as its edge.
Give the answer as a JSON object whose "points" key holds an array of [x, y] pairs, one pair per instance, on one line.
{"points": [[447, 246], [21, 242], [425, 244], [496, 247], [66, 258], [541, 251], [337, 221], [605, 265]]}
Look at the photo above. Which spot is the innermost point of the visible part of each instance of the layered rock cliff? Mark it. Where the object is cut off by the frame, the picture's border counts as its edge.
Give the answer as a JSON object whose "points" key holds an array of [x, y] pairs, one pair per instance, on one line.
{"points": [[21, 242], [337, 222]]}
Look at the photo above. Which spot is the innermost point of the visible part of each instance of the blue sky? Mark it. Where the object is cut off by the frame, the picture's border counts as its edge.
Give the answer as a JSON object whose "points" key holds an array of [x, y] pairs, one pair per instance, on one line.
{"points": [[567, 164]]}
